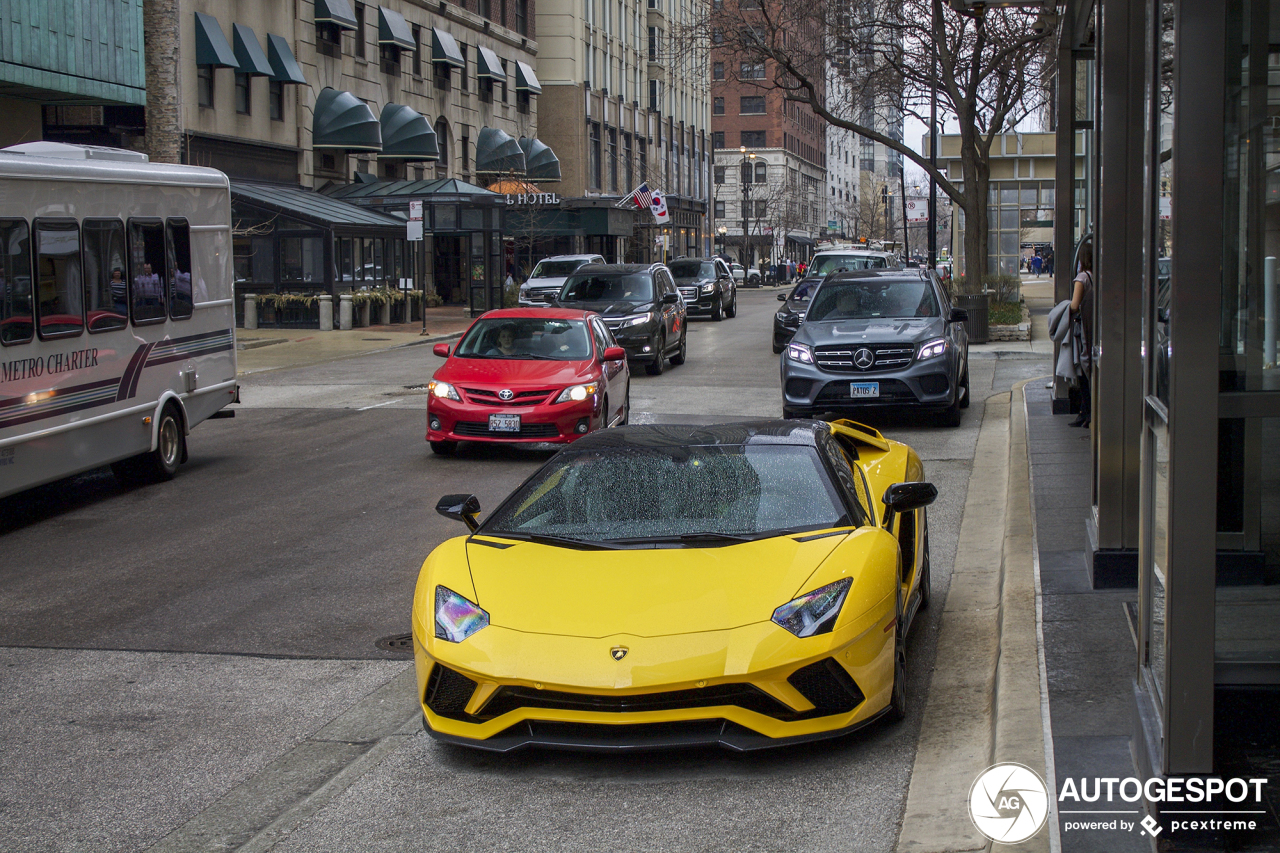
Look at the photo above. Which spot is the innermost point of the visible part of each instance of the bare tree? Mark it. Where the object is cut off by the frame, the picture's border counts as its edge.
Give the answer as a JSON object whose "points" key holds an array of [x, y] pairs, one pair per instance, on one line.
{"points": [[990, 68]]}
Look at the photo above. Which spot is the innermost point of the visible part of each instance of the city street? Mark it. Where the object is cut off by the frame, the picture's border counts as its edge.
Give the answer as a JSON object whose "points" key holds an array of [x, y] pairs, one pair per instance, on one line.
{"points": [[195, 665]]}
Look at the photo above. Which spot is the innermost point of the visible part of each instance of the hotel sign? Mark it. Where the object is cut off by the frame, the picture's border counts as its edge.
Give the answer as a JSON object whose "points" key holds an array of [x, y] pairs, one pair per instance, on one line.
{"points": [[532, 198]]}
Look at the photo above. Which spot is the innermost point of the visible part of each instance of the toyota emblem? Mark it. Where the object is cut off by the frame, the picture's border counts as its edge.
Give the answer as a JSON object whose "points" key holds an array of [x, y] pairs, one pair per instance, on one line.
{"points": [[506, 394], [864, 358]]}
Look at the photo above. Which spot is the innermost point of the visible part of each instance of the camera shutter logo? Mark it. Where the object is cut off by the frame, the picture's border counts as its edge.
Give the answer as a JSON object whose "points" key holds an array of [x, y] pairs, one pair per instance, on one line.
{"points": [[1008, 803]]}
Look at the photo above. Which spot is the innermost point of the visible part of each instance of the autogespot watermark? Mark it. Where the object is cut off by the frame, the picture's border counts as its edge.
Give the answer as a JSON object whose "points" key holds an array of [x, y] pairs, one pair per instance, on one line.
{"points": [[1009, 803]]}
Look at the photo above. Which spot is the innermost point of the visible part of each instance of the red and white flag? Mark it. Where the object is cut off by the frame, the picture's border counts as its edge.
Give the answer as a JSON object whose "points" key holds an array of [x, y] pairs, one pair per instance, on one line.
{"points": [[659, 207]]}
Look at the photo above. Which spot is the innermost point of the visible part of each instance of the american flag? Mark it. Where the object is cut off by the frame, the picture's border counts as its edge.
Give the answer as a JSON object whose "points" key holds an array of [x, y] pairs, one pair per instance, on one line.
{"points": [[641, 195]]}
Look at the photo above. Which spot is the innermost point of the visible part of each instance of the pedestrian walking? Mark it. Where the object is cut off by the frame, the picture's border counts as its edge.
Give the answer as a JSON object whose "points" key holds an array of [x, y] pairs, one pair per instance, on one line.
{"points": [[1036, 262], [1082, 324]]}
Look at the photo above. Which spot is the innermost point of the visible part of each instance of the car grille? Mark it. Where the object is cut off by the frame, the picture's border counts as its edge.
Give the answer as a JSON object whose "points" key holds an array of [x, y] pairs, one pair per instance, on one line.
{"points": [[487, 397], [480, 429], [841, 359], [828, 686], [690, 294], [448, 692], [891, 390], [741, 695], [547, 295]]}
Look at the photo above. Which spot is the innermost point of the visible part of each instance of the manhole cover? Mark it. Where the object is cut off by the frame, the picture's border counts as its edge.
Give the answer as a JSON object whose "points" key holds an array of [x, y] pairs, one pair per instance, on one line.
{"points": [[398, 643]]}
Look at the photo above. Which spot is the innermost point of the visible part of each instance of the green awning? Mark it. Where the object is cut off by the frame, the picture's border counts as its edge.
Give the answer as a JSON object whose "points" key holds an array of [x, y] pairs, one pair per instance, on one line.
{"points": [[497, 152], [407, 135], [313, 207], [366, 178], [211, 45], [249, 53], [541, 163], [341, 120], [526, 80], [445, 49], [284, 67], [335, 12], [489, 65], [393, 29]]}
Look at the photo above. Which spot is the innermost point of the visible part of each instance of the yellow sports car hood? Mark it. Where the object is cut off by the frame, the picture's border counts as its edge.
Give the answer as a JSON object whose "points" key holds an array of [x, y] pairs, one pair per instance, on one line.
{"points": [[546, 589]]}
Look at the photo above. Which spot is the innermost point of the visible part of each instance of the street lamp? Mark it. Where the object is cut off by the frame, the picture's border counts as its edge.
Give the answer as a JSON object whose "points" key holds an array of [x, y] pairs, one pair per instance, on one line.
{"points": [[722, 231], [746, 175]]}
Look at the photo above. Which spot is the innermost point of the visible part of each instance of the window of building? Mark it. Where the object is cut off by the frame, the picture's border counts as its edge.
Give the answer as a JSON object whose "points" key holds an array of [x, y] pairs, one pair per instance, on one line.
{"points": [[762, 173], [655, 96], [464, 153], [243, 93], [717, 36], [642, 159], [753, 138], [717, 71], [328, 38], [717, 139], [655, 36], [275, 99], [204, 85], [522, 102], [389, 59], [751, 105], [442, 142], [748, 5], [464, 78], [441, 77], [522, 17], [415, 62], [613, 158], [358, 33], [762, 209], [502, 84], [720, 174], [720, 210], [594, 153], [628, 167], [717, 106], [751, 71]]}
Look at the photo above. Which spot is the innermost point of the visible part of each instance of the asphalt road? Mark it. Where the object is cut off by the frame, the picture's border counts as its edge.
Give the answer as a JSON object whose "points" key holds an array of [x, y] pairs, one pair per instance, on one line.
{"points": [[174, 650]]}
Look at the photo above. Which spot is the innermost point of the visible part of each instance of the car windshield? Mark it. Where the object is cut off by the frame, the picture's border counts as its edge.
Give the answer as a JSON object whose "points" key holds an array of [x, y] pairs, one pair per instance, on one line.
{"points": [[555, 269], [827, 264], [526, 338], [872, 298], [630, 495], [617, 287], [692, 269]]}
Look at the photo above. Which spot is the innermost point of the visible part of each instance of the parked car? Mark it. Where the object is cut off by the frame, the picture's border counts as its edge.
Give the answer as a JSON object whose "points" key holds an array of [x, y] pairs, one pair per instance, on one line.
{"points": [[707, 287], [528, 375], [878, 339], [795, 303], [548, 277], [741, 585], [738, 272], [640, 305]]}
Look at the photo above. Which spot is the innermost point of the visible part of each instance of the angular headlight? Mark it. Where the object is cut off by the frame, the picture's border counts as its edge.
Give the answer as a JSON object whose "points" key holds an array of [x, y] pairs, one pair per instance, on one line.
{"points": [[636, 320], [800, 353], [815, 612], [577, 392], [457, 618], [932, 349], [708, 287], [443, 389]]}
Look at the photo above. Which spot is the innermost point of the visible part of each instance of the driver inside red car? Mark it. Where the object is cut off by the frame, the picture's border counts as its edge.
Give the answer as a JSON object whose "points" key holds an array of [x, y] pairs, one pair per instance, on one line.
{"points": [[505, 343]]}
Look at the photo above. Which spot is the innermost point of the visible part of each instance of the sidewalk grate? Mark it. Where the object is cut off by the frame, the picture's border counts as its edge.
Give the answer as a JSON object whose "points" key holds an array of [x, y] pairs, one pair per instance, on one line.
{"points": [[401, 644]]}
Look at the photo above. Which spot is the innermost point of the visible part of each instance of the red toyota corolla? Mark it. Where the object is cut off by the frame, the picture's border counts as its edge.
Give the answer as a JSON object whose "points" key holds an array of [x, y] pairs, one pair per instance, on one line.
{"points": [[528, 375]]}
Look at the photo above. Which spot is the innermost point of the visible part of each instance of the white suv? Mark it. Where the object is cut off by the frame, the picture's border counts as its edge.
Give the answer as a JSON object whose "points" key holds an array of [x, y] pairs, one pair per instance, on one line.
{"points": [[548, 276]]}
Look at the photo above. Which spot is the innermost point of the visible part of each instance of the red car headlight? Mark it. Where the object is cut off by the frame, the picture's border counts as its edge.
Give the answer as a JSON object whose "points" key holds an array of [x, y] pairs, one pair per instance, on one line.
{"points": [[577, 392]]}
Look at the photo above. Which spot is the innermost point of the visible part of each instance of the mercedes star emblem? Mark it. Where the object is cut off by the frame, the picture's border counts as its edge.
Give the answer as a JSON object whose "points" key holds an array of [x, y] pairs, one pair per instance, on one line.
{"points": [[864, 358], [618, 652], [505, 394]]}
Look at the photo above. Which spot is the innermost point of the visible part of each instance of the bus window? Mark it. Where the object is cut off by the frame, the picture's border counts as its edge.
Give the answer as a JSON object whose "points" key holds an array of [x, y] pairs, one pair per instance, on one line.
{"points": [[106, 291], [147, 264], [180, 263], [60, 299], [15, 282]]}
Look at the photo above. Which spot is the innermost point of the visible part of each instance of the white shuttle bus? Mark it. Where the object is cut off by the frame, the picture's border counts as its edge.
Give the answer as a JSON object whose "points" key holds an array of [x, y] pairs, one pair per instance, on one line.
{"points": [[117, 328]]}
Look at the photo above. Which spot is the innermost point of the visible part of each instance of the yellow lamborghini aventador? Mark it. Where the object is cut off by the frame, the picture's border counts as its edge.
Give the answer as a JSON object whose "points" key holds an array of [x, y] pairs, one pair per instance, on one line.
{"points": [[747, 585]]}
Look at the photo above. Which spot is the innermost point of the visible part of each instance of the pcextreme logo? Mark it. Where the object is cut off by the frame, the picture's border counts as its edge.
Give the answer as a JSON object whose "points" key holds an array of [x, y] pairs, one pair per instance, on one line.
{"points": [[1009, 803]]}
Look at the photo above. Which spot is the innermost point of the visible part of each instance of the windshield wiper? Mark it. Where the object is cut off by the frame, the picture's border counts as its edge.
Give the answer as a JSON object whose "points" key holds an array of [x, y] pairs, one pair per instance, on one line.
{"points": [[708, 536], [550, 539]]}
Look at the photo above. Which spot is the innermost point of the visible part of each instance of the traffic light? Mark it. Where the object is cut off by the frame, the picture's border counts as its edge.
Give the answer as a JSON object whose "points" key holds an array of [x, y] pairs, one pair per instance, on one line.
{"points": [[884, 194]]}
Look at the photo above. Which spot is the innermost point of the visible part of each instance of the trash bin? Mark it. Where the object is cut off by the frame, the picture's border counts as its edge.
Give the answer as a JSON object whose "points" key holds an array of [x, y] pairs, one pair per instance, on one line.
{"points": [[978, 306]]}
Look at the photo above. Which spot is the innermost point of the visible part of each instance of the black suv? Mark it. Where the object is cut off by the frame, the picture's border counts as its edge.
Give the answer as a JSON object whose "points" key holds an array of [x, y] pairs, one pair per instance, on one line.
{"points": [[884, 339], [640, 305], [707, 286]]}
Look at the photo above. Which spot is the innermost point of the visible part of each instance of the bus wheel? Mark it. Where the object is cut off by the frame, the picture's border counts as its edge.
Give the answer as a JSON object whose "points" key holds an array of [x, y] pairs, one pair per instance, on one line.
{"points": [[161, 463]]}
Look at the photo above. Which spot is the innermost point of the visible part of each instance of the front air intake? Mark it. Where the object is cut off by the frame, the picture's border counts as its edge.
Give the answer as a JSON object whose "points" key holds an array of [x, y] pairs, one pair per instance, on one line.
{"points": [[448, 692], [828, 686]]}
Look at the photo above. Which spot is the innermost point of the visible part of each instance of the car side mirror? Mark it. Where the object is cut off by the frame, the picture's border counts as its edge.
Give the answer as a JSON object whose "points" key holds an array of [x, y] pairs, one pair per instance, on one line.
{"points": [[670, 298], [462, 508], [959, 315], [441, 350], [905, 497], [614, 354]]}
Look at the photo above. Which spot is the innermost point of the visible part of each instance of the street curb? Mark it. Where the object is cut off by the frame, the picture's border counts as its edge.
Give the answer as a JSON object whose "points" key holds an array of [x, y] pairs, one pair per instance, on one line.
{"points": [[985, 700]]}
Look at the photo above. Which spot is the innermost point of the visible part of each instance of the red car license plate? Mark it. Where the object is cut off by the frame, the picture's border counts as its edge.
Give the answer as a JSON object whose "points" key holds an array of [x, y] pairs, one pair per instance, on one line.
{"points": [[504, 423]]}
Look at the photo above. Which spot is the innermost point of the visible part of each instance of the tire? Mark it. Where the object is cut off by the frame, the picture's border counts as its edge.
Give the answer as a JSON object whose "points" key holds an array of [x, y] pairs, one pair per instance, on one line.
{"points": [[680, 355], [898, 698], [732, 310], [157, 465], [964, 404], [626, 407], [654, 368], [717, 310], [444, 448], [950, 416], [926, 575]]}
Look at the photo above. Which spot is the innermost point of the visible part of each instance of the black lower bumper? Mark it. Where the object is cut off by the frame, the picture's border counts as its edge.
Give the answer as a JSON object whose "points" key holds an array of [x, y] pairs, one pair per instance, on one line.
{"points": [[638, 737]]}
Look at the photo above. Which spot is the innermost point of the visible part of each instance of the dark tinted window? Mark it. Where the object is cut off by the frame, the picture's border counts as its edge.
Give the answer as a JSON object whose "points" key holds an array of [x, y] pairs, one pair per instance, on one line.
{"points": [[637, 287], [693, 269], [180, 263], [106, 290], [60, 285], [868, 299], [15, 282], [147, 265]]}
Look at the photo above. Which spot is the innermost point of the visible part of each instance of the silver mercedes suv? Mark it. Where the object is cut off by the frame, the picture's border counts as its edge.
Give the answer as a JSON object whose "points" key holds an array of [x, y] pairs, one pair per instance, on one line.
{"points": [[878, 339]]}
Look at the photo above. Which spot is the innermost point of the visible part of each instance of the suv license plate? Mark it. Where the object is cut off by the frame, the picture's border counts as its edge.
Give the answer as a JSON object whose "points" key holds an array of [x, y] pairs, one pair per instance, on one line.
{"points": [[856, 389], [504, 423]]}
